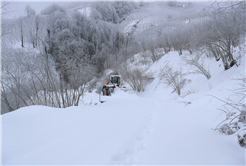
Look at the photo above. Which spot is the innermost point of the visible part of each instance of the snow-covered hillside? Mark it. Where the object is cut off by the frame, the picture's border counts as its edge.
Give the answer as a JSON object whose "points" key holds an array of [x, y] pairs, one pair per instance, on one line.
{"points": [[151, 127], [160, 14], [177, 115]]}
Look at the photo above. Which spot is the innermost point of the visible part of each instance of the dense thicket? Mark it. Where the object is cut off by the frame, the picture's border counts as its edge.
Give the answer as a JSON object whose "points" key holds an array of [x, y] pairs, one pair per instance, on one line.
{"points": [[79, 40]]}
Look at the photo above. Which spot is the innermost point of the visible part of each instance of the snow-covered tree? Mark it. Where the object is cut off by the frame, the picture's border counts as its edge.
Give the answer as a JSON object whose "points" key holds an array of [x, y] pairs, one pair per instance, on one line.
{"points": [[29, 11], [50, 9], [172, 3], [107, 11]]}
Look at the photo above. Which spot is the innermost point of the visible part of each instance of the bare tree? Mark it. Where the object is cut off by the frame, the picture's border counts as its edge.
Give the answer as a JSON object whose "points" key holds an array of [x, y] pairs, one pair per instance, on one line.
{"points": [[5, 11], [29, 11], [152, 47], [4, 7], [197, 64], [171, 78], [223, 5], [136, 78], [21, 24], [30, 78]]}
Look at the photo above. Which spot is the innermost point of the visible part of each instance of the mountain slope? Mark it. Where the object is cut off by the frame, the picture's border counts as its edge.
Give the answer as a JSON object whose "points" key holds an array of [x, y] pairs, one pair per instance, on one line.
{"points": [[157, 128]]}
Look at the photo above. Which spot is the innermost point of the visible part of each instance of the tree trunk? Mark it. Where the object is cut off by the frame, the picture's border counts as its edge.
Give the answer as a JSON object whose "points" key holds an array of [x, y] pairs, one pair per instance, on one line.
{"points": [[22, 40]]}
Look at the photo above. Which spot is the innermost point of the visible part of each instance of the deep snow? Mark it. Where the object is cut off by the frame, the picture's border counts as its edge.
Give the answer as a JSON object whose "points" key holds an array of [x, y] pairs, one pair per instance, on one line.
{"points": [[155, 127], [76, 135]]}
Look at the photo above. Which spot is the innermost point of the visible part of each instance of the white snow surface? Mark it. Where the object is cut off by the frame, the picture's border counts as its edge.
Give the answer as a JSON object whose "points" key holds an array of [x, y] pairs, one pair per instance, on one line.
{"points": [[157, 14], [154, 127]]}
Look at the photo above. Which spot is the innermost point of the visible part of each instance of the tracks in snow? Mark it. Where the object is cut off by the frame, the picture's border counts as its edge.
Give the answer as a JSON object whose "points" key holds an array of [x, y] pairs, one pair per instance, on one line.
{"points": [[131, 153]]}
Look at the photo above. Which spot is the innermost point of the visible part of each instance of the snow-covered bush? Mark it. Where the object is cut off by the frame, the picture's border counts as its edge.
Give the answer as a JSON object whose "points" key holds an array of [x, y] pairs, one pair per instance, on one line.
{"points": [[242, 139], [136, 78], [235, 122], [242, 116], [237, 127], [107, 11], [172, 3], [30, 11], [197, 64], [52, 8], [229, 129], [172, 78], [152, 50], [124, 8], [30, 78]]}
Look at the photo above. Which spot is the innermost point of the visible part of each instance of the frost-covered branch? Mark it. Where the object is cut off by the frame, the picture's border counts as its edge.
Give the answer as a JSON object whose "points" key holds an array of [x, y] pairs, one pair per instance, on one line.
{"points": [[197, 64], [174, 79]]}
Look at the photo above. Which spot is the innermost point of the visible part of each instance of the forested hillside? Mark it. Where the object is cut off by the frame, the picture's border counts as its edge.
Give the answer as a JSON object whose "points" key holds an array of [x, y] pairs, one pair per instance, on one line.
{"points": [[63, 49], [59, 49]]}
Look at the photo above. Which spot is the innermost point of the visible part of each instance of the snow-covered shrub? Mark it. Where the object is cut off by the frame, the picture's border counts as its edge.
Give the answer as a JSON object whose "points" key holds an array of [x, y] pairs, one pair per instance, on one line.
{"points": [[191, 91], [152, 50], [242, 116], [124, 8], [136, 78], [174, 79], [235, 122], [229, 129], [172, 3], [30, 78], [197, 64], [238, 127], [30, 11], [52, 8], [242, 135], [107, 11], [242, 139]]}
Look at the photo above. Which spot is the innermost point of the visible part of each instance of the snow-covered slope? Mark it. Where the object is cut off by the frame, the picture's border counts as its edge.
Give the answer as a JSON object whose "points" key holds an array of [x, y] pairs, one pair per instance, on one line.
{"points": [[76, 135], [152, 127], [160, 14], [183, 130], [220, 78]]}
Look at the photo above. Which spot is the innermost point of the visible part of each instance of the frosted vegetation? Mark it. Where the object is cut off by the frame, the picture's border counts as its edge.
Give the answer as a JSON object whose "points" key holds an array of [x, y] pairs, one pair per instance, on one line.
{"points": [[61, 55]]}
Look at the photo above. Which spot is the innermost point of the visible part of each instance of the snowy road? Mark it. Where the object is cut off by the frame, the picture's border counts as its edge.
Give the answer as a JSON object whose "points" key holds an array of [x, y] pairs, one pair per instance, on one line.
{"points": [[182, 135], [102, 134], [126, 129]]}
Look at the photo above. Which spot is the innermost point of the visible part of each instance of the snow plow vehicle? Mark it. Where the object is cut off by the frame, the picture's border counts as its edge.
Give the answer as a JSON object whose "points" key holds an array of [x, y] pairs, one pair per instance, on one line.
{"points": [[109, 86]]}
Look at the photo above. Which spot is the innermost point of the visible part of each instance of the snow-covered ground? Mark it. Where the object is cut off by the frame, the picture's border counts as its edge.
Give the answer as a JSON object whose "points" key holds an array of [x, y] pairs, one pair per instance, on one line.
{"points": [[155, 127], [156, 14]]}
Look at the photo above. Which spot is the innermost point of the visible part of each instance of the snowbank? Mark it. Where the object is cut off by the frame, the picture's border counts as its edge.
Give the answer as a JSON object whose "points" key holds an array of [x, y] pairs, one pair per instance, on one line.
{"points": [[157, 128]]}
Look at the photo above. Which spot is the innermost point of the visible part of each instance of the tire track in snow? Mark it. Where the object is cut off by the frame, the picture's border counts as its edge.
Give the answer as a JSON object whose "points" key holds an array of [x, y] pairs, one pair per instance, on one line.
{"points": [[131, 154]]}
